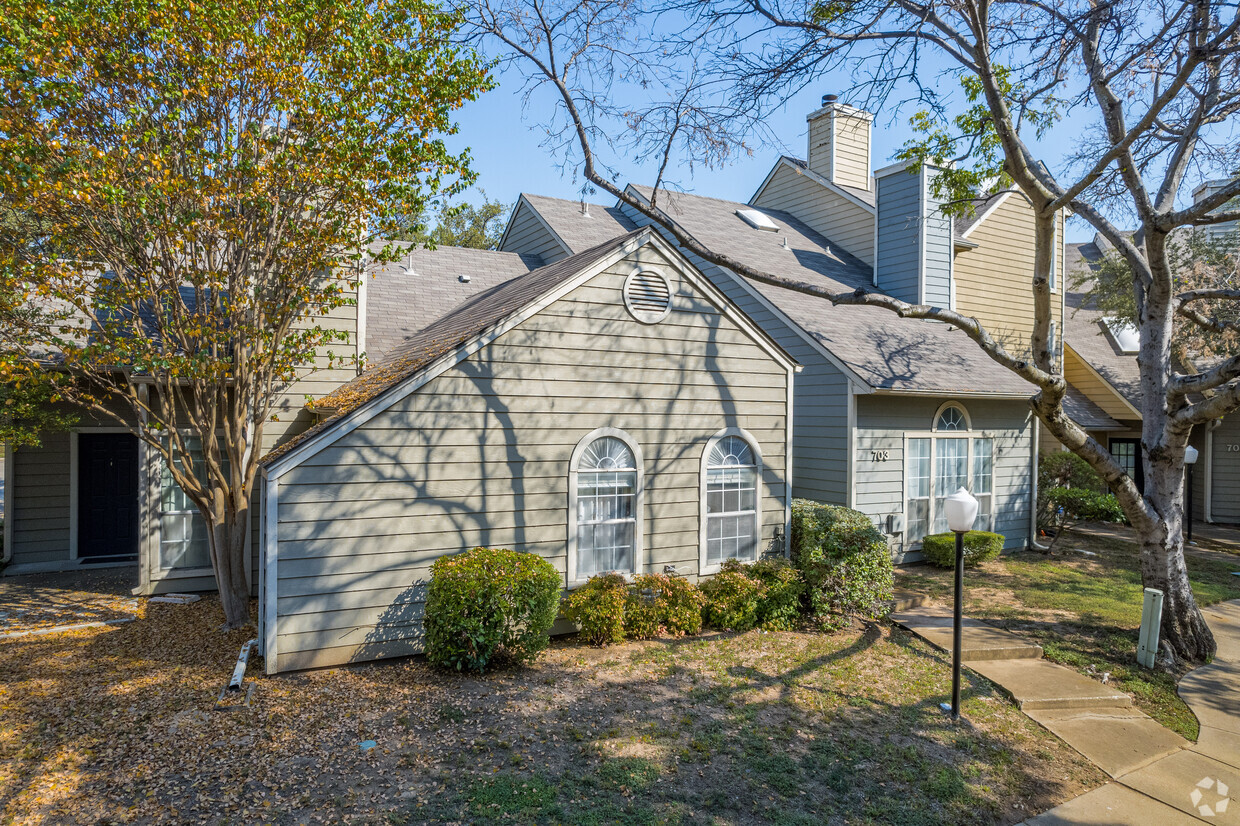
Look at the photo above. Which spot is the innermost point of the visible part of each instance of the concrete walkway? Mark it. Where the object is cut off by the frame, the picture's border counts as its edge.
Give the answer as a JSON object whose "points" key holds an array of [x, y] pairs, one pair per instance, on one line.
{"points": [[1159, 777]]}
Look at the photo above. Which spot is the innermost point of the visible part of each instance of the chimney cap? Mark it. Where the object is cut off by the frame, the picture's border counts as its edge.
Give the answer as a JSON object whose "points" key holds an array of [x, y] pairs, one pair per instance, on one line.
{"points": [[827, 100]]}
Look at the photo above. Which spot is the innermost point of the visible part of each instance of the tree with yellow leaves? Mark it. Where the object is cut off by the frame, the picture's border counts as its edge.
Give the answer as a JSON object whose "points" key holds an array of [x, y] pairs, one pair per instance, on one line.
{"points": [[204, 177]]}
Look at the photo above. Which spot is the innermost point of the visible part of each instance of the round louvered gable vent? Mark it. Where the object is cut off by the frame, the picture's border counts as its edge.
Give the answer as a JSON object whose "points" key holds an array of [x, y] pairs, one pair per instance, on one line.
{"points": [[648, 296]]}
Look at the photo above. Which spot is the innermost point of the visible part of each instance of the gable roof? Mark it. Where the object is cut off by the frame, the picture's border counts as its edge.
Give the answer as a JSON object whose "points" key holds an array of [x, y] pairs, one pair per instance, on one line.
{"points": [[961, 227], [473, 325], [878, 347], [579, 230], [862, 197], [1086, 334], [434, 278]]}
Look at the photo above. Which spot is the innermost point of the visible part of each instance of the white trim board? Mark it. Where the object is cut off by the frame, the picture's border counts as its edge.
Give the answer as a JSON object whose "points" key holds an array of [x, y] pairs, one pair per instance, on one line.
{"points": [[409, 385]]}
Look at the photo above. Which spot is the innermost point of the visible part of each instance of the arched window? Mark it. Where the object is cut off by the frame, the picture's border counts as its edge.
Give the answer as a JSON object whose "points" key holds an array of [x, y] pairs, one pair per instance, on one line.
{"points": [[953, 457], [731, 500], [605, 492]]}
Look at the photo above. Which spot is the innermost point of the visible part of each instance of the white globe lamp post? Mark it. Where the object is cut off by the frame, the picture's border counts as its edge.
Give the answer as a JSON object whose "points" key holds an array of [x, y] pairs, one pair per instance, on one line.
{"points": [[961, 511]]}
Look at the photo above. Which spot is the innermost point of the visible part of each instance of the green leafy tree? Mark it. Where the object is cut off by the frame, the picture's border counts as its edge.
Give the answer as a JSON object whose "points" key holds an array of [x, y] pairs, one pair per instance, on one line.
{"points": [[464, 225], [203, 177]]}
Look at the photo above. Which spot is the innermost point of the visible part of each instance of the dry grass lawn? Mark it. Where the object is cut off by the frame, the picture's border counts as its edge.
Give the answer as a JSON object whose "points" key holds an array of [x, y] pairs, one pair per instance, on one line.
{"points": [[117, 725]]}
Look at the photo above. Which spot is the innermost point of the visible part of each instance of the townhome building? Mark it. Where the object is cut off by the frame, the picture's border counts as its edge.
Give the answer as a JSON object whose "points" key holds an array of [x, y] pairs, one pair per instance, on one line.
{"points": [[892, 414]]}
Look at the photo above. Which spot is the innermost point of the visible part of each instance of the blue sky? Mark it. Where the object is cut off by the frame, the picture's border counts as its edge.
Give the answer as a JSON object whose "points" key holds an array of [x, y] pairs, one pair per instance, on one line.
{"points": [[505, 144]]}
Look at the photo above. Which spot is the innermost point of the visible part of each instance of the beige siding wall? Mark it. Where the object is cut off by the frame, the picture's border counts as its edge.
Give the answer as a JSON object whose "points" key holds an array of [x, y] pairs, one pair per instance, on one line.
{"points": [[852, 151], [320, 377], [839, 219], [1080, 376], [994, 282], [818, 154], [528, 235], [480, 456]]}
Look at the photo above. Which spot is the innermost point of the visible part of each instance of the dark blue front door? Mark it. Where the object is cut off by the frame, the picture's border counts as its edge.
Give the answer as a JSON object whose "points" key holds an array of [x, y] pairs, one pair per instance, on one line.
{"points": [[107, 496]]}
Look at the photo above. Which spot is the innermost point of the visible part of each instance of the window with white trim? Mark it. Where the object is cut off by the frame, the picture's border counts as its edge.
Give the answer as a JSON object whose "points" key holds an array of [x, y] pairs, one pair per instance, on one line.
{"points": [[183, 540], [950, 457], [606, 481], [731, 505]]}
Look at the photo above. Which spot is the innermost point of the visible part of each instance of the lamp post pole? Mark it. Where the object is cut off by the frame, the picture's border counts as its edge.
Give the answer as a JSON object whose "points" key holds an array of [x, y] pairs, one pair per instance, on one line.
{"points": [[1190, 459], [957, 631], [960, 509]]}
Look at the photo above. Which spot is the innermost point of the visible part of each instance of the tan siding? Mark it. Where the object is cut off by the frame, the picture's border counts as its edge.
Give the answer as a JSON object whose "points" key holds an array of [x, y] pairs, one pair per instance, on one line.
{"points": [[834, 216], [480, 456], [852, 151], [528, 235], [1095, 389], [994, 282], [819, 155]]}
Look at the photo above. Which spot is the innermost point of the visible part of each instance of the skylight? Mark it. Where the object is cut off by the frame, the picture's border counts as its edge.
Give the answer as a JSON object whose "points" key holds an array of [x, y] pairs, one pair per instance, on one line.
{"points": [[1125, 336], [757, 220]]}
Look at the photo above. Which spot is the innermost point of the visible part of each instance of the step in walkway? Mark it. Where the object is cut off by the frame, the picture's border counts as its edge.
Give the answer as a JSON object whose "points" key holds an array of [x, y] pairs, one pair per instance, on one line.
{"points": [[1159, 777]]}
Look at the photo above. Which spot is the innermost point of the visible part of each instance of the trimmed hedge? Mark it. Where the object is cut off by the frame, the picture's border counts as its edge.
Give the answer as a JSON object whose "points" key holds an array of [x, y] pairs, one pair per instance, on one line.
{"points": [[489, 604], [733, 599], [844, 561], [598, 608], [610, 608], [979, 546]]}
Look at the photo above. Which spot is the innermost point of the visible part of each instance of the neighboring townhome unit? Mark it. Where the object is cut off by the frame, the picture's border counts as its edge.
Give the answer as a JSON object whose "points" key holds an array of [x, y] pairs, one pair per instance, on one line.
{"points": [[611, 411], [892, 414], [1100, 365]]}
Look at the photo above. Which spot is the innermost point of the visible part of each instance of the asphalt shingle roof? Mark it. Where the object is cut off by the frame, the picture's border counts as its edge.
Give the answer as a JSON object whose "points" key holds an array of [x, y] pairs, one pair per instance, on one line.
{"points": [[468, 320], [884, 350], [404, 296], [581, 231]]}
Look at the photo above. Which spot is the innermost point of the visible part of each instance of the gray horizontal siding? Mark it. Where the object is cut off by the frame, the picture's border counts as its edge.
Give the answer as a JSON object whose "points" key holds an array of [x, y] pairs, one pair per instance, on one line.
{"points": [[882, 422], [480, 456], [1225, 464], [38, 501], [834, 216], [899, 234], [820, 407], [938, 249]]}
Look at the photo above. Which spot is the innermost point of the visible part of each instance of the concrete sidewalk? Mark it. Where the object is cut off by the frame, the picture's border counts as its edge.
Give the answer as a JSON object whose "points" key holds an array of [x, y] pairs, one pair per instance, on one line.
{"points": [[1158, 776]]}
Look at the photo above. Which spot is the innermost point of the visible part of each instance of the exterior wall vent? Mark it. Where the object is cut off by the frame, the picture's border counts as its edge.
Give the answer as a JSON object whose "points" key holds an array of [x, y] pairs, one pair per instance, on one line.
{"points": [[648, 296]]}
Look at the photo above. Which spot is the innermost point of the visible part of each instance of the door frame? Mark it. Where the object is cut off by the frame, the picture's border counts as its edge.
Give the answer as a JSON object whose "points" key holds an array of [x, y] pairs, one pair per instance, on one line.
{"points": [[75, 481], [1138, 476]]}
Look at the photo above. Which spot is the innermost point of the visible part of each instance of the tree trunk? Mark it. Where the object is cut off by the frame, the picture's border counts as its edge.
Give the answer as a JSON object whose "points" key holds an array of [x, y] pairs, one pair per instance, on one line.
{"points": [[1162, 565], [228, 533]]}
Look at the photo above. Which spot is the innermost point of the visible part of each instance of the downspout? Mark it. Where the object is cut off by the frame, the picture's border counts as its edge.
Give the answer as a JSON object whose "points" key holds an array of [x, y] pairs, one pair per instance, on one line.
{"points": [[1207, 510], [1033, 487]]}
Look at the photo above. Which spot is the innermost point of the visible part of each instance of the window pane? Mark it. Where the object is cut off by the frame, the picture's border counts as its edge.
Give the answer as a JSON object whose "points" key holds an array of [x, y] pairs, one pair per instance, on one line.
{"points": [[985, 515], [950, 472], [983, 466], [950, 419], [731, 502], [918, 519], [606, 520], [183, 541]]}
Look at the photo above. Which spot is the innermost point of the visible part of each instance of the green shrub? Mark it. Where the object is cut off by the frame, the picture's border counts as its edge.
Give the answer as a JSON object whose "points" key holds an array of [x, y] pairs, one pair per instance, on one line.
{"points": [[488, 604], [598, 607], [1080, 505], [662, 604], [844, 562], [732, 599], [779, 600], [979, 546], [1065, 469]]}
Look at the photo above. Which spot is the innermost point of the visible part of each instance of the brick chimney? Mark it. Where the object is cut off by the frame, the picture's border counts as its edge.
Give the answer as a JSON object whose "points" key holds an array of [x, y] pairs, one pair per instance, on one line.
{"points": [[839, 143]]}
